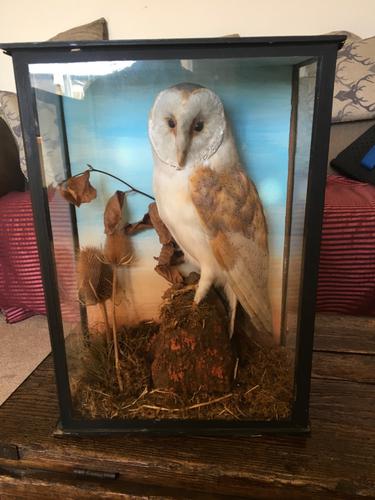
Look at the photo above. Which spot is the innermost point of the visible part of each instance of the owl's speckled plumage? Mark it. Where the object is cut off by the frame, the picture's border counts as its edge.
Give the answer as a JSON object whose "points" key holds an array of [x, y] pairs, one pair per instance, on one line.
{"points": [[206, 200]]}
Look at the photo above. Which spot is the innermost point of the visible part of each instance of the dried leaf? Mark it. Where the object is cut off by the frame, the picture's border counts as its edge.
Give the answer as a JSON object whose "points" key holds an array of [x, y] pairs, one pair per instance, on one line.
{"points": [[136, 227], [113, 214], [170, 273], [151, 219], [78, 189], [118, 249], [162, 230], [166, 254], [177, 257], [169, 256]]}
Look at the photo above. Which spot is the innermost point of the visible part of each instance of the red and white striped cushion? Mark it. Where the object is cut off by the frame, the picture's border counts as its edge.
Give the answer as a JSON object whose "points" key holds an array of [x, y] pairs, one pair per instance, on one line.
{"points": [[16, 314], [21, 288], [347, 261], [347, 257]]}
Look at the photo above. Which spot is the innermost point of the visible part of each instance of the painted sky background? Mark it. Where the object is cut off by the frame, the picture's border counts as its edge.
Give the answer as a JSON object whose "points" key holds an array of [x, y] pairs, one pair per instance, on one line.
{"points": [[108, 128]]}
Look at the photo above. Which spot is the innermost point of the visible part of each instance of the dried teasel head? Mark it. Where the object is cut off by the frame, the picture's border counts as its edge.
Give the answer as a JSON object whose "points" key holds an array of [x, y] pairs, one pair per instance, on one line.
{"points": [[94, 276], [118, 249]]}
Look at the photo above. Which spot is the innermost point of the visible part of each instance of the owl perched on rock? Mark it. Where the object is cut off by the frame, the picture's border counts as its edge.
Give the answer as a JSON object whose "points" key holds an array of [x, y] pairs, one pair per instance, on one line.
{"points": [[206, 200]]}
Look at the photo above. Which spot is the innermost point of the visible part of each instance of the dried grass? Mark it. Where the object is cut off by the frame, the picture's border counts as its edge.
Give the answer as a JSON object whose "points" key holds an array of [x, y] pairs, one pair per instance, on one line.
{"points": [[262, 389]]}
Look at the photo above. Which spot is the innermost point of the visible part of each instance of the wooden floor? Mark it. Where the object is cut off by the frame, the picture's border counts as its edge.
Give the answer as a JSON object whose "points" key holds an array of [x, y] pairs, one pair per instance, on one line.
{"points": [[336, 461]]}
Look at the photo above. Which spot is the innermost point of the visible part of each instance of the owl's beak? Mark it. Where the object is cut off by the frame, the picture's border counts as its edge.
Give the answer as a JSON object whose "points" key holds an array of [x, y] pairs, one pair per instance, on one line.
{"points": [[181, 157], [182, 147]]}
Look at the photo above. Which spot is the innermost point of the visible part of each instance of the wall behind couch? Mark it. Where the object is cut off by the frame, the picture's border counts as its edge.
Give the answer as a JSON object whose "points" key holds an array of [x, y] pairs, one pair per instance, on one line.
{"points": [[22, 20]]}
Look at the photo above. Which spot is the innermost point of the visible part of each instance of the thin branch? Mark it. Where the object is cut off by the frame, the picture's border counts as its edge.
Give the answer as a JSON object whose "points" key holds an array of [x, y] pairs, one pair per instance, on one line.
{"points": [[92, 169], [209, 402], [132, 188], [251, 389]]}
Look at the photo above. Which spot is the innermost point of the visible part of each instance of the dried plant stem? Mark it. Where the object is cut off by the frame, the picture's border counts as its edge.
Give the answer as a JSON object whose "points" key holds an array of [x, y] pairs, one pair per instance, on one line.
{"points": [[235, 369], [230, 412], [210, 402], [192, 407], [114, 331], [251, 389], [132, 188], [106, 322], [143, 393]]}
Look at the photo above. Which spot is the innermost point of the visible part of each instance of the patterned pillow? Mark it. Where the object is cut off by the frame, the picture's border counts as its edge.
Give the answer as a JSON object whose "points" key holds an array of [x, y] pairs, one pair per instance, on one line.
{"points": [[354, 93], [10, 114]]}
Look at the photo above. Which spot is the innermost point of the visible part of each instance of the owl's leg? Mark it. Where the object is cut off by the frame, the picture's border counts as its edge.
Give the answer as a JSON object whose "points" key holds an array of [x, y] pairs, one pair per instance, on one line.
{"points": [[205, 282], [232, 302]]}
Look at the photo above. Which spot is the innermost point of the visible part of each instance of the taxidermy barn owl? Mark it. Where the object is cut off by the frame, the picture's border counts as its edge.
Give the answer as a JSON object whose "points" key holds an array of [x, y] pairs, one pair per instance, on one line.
{"points": [[207, 202]]}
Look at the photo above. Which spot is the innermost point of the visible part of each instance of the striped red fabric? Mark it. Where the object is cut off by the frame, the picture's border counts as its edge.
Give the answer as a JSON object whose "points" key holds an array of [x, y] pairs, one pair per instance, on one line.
{"points": [[16, 314], [21, 288], [346, 272], [347, 256]]}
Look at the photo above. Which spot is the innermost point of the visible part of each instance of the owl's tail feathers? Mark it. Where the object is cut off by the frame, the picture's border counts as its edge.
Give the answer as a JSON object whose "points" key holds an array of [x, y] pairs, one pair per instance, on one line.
{"points": [[258, 308], [232, 303], [245, 326], [258, 322]]}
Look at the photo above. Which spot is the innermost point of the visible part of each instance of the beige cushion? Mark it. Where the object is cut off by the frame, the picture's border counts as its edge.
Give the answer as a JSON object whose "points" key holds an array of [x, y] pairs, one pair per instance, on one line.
{"points": [[350, 37], [97, 30], [354, 93]]}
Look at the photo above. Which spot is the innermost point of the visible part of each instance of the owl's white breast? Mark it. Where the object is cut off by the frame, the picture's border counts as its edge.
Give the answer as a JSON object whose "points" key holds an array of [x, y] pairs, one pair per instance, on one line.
{"points": [[177, 211]]}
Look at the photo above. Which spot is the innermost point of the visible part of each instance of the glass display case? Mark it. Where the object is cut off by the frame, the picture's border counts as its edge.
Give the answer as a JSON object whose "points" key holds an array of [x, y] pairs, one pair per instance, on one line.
{"points": [[178, 190]]}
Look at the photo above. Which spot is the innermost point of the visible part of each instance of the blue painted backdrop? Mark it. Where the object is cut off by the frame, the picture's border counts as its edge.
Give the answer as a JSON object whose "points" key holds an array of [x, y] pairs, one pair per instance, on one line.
{"points": [[108, 128]]}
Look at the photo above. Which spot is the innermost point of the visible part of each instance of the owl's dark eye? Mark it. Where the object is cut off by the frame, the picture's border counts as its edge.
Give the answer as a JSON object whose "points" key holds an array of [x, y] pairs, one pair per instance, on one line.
{"points": [[198, 127], [171, 123]]}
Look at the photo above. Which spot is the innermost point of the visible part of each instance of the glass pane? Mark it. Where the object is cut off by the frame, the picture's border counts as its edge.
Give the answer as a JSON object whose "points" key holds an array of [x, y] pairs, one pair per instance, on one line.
{"points": [[298, 190], [183, 309]]}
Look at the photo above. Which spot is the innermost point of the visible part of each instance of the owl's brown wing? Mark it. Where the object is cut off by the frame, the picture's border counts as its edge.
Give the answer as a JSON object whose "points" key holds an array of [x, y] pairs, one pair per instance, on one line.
{"points": [[231, 211]]}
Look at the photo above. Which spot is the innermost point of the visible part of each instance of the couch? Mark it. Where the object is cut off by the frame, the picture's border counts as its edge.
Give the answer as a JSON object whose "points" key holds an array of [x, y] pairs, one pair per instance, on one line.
{"points": [[347, 266]]}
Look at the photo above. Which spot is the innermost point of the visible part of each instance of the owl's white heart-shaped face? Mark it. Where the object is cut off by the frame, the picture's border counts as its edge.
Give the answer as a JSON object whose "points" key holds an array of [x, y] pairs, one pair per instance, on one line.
{"points": [[186, 125]]}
